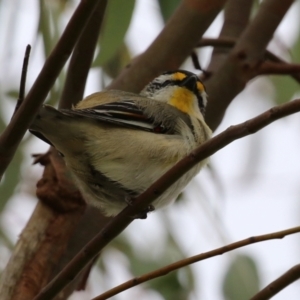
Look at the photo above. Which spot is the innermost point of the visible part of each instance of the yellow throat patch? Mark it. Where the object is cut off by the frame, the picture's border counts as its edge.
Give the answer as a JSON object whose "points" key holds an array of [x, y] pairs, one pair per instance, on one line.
{"points": [[183, 99]]}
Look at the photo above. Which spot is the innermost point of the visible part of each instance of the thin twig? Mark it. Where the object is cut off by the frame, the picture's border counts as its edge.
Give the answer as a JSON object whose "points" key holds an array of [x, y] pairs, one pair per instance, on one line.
{"points": [[82, 58], [125, 217], [193, 259], [14, 132], [276, 65], [283, 68], [23, 79], [278, 68], [230, 42], [195, 61], [279, 284]]}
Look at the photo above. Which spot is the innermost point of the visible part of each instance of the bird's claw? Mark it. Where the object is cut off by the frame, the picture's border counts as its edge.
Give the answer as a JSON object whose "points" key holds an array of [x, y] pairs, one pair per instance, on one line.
{"points": [[144, 213]]}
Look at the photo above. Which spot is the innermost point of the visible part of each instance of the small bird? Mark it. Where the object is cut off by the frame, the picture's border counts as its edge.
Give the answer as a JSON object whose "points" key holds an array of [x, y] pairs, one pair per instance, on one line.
{"points": [[116, 144]]}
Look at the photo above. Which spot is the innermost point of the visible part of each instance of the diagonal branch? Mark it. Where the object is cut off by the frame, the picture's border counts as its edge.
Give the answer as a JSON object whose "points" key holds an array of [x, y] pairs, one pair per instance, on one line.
{"points": [[193, 259], [13, 134], [82, 58], [172, 46], [125, 217], [279, 284], [242, 63], [77, 74], [26, 274], [236, 18], [200, 14]]}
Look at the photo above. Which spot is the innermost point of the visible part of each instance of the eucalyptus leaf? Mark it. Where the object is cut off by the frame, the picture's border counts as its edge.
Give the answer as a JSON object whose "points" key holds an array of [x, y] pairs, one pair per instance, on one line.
{"points": [[170, 287], [117, 63], [241, 279], [175, 285], [285, 88], [11, 179], [44, 26], [116, 22], [296, 48], [13, 94], [167, 7], [48, 26]]}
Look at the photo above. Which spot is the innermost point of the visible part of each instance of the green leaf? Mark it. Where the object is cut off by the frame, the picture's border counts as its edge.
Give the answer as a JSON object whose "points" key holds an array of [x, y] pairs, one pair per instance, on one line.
{"points": [[44, 28], [12, 174], [285, 88], [255, 8], [170, 287], [174, 285], [118, 62], [14, 94], [115, 25], [296, 48], [49, 19], [11, 179], [167, 7], [241, 279]]}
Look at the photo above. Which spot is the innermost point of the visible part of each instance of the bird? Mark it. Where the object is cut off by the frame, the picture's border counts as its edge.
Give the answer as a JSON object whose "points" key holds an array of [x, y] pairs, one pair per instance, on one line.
{"points": [[117, 143]]}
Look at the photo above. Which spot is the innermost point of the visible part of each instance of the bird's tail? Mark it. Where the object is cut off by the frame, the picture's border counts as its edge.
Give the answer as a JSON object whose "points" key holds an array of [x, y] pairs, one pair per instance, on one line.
{"points": [[47, 119]]}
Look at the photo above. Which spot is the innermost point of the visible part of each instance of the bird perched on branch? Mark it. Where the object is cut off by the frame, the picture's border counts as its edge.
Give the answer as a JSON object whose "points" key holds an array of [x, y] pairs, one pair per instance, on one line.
{"points": [[116, 144]]}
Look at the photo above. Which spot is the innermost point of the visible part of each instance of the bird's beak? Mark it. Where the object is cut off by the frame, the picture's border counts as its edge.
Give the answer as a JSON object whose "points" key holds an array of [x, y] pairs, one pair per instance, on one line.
{"points": [[190, 83]]}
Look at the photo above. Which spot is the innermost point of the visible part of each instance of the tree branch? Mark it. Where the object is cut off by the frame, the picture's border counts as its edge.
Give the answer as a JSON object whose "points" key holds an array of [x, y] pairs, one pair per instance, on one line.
{"points": [[173, 45], [278, 68], [73, 95], [193, 259], [9, 140], [23, 79], [13, 134], [88, 226], [243, 61], [26, 274], [79, 67], [125, 217], [82, 59], [279, 284], [284, 65], [236, 18], [43, 241]]}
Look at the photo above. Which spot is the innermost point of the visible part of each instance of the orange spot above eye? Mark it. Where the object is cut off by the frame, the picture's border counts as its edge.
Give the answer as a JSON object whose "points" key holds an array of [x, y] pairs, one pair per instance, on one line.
{"points": [[200, 86], [178, 76]]}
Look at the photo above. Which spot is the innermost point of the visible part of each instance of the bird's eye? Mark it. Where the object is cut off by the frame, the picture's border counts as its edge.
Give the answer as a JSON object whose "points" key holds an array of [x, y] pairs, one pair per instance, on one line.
{"points": [[201, 104], [200, 101]]}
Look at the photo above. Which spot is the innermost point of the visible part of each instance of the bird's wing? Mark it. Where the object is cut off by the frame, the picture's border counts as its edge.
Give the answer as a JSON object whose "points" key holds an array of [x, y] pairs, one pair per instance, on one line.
{"points": [[123, 113]]}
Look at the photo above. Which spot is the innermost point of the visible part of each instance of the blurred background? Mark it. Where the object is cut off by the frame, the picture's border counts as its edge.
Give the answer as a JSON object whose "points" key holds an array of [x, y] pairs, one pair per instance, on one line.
{"points": [[251, 187]]}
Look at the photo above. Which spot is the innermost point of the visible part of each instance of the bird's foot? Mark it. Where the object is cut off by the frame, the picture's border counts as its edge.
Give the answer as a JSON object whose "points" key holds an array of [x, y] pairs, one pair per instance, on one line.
{"points": [[144, 213]]}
